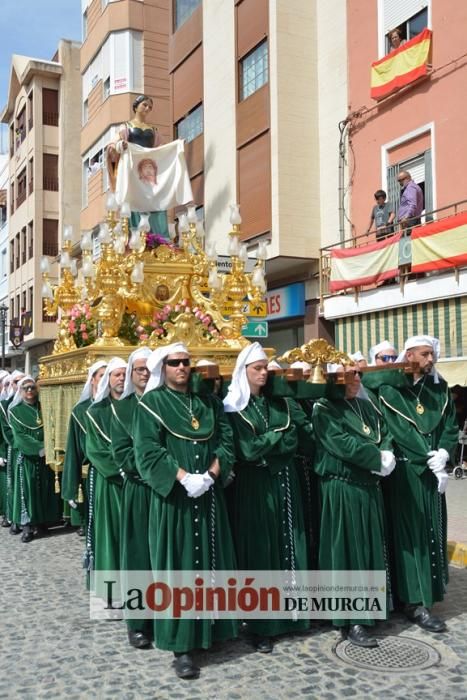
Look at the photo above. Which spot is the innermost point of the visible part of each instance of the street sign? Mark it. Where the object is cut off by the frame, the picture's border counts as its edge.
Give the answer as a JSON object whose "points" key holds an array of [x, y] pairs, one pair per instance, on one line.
{"points": [[224, 264], [255, 329], [249, 309]]}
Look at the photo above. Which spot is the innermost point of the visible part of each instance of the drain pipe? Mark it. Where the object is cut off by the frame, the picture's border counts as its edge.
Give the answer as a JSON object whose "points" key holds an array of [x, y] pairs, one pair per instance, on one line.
{"points": [[341, 188]]}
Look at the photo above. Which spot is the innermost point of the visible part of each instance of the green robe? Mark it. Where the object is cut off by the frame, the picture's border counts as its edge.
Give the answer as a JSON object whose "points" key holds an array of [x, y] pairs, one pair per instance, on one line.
{"points": [[3, 475], [34, 499], [10, 456], [107, 486], [185, 533], [136, 497], [267, 514], [75, 458], [352, 530], [415, 509]]}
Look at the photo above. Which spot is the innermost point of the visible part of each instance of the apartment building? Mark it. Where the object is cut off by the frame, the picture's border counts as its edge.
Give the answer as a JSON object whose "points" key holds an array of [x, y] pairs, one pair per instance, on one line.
{"points": [[4, 181], [42, 113], [406, 113]]}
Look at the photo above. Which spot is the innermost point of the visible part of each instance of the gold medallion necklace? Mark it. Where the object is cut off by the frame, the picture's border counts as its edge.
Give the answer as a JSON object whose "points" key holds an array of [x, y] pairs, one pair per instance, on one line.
{"points": [[420, 408], [194, 421], [36, 412], [366, 428]]}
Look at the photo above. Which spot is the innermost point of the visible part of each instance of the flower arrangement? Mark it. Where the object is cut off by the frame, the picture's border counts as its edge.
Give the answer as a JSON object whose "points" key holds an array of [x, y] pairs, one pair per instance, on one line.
{"points": [[154, 240], [82, 325], [169, 313]]}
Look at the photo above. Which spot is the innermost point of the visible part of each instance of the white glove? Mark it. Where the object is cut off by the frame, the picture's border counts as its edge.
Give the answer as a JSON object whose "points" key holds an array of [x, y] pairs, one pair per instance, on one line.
{"points": [[437, 460], [194, 485], [388, 462], [208, 480], [42, 452], [443, 479], [73, 504], [2, 462]]}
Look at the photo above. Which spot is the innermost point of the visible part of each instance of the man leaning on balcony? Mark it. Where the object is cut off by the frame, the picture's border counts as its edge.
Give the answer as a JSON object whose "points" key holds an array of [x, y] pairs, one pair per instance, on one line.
{"points": [[411, 203]]}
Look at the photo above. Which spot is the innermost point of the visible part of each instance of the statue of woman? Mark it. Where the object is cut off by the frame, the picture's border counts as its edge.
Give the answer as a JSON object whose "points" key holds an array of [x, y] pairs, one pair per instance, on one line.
{"points": [[138, 131]]}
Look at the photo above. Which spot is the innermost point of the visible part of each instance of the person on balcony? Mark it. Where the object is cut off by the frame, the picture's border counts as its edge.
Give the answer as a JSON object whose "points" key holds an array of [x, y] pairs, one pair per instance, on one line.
{"points": [[411, 203], [382, 216], [395, 39]]}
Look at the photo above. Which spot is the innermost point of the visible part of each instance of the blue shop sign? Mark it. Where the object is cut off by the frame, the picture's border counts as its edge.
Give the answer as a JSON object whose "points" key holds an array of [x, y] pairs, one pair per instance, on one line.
{"points": [[286, 302]]}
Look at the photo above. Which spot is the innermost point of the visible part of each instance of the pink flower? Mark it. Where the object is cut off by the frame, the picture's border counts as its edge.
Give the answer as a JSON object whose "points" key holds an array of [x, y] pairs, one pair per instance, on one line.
{"points": [[143, 336], [195, 310], [160, 331], [83, 327], [88, 315], [177, 307], [187, 310], [198, 314], [184, 302], [206, 321], [153, 324], [139, 329], [72, 327], [167, 309], [84, 336]]}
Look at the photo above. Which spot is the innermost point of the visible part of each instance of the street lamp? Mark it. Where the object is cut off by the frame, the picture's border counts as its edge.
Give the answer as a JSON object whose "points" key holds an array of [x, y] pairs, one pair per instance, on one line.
{"points": [[3, 315]]}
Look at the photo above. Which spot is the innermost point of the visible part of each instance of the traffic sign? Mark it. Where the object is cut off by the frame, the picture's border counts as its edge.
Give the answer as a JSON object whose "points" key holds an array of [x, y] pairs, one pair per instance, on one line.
{"points": [[255, 329]]}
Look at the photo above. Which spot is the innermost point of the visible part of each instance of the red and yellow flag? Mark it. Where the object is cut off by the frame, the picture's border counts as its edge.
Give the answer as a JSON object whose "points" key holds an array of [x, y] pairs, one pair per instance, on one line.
{"points": [[401, 67], [440, 245]]}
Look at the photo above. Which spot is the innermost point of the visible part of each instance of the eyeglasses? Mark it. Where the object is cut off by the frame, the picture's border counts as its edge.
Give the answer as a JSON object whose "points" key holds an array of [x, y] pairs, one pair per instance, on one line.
{"points": [[30, 387], [387, 358], [141, 370], [175, 363]]}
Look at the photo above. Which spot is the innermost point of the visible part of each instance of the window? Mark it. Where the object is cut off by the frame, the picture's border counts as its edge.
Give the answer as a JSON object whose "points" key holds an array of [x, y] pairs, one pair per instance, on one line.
{"points": [[85, 112], [118, 65], [17, 245], [409, 16], [190, 126], [420, 169], [96, 245], [31, 175], [12, 256], [183, 9], [3, 268], [410, 28], [30, 240], [50, 237], [254, 70], [12, 197], [50, 107], [50, 172], [84, 184], [21, 127], [24, 245], [3, 214], [21, 188], [30, 111], [106, 88]]}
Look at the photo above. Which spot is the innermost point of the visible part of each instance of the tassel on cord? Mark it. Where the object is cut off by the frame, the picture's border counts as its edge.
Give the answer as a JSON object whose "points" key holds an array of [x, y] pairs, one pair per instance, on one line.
{"points": [[80, 494]]}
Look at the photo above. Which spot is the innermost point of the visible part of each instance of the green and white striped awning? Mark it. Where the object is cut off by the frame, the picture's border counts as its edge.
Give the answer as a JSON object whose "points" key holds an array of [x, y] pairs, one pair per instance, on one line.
{"points": [[445, 319]]}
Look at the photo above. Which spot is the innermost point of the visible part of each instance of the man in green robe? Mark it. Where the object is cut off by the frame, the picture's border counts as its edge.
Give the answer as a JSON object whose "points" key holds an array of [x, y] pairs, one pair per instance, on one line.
{"points": [[184, 453], [34, 500], [421, 417], [267, 516], [353, 453], [10, 385], [108, 482], [136, 495], [3, 462], [73, 481]]}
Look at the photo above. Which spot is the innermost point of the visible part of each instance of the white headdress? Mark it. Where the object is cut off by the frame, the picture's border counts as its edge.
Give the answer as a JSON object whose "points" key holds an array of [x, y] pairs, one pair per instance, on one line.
{"points": [[357, 356], [14, 375], [87, 390], [205, 363], [376, 349], [238, 394], [155, 364], [301, 364], [138, 354], [274, 365], [417, 341], [18, 398], [4, 391], [103, 388]]}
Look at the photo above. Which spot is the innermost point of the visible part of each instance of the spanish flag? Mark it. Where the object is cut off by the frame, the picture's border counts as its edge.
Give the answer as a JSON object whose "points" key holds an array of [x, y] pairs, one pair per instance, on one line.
{"points": [[402, 66], [440, 245]]}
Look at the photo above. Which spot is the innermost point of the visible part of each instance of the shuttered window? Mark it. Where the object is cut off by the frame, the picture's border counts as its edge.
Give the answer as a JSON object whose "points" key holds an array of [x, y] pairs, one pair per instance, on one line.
{"points": [[396, 12]]}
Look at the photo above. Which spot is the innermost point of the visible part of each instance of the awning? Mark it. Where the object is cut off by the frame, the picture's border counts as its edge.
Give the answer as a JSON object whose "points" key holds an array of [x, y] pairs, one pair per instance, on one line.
{"points": [[453, 371]]}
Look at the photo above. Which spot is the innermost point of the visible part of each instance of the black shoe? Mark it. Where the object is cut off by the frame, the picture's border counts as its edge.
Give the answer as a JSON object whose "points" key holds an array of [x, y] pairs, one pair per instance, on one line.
{"points": [[28, 534], [5, 522], [185, 667], [263, 644], [14, 529], [80, 531], [359, 636], [424, 619], [138, 640]]}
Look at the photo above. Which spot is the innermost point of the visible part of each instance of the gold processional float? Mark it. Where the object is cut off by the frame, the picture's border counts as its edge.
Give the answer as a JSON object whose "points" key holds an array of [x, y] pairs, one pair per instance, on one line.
{"points": [[144, 291]]}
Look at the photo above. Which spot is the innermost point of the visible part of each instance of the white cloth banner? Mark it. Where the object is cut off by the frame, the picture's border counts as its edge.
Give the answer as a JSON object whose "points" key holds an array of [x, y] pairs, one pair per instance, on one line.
{"points": [[153, 179]]}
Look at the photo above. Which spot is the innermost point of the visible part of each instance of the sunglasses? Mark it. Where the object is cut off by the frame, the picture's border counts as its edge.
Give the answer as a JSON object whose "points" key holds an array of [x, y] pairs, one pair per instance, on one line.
{"points": [[387, 358], [175, 363], [30, 387]]}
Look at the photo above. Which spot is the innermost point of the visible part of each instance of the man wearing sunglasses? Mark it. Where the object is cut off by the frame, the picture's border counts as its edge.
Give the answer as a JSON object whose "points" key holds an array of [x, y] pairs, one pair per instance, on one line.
{"points": [[184, 452], [411, 202], [382, 353]]}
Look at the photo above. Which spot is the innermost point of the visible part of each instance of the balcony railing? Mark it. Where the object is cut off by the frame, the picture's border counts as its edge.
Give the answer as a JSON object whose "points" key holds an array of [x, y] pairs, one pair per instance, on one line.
{"points": [[364, 262]]}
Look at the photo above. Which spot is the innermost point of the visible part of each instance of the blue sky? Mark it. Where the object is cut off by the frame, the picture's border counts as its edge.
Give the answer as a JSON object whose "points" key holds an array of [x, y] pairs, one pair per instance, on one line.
{"points": [[34, 28]]}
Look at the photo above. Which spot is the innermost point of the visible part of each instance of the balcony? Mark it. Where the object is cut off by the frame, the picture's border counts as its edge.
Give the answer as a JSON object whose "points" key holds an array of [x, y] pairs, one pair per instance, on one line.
{"points": [[50, 183], [50, 118], [362, 264], [402, 67]]}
